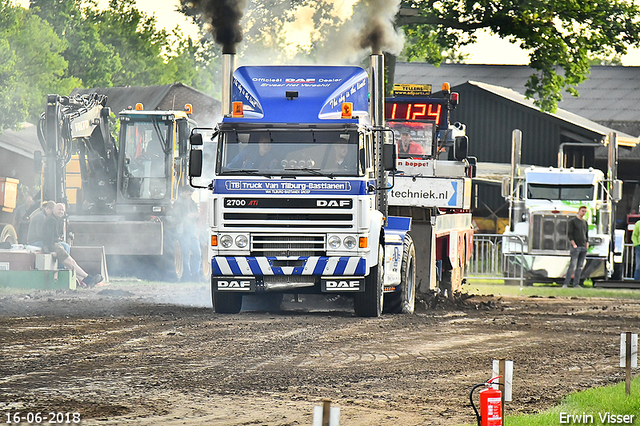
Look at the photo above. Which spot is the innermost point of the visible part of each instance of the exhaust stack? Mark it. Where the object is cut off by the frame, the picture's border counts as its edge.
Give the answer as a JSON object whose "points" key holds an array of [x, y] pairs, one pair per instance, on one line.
{"points": [[376, 109], [228, 67], [376, 84]]}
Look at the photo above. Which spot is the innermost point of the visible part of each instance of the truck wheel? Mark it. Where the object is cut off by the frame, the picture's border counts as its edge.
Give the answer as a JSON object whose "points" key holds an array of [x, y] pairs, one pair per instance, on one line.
{"points": [[226, 303], [404, 301], [370, 302], [178, 266], [8, 234]]}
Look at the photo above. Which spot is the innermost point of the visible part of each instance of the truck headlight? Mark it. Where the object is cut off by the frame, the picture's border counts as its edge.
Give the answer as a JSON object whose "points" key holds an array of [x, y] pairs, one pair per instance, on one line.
{"points": [[226, 241], [334, 242], [350, 242], [242, 241]]}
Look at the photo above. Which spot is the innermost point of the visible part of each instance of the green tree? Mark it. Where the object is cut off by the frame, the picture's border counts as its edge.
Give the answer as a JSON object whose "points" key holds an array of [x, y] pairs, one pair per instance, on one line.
{"points": [[88, 57], [31, 65], [560, 35], [143, 49]]}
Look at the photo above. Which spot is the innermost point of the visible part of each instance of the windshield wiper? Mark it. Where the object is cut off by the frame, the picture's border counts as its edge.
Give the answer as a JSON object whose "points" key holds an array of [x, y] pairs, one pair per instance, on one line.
{"points": [[253, 172], [315, 172]]}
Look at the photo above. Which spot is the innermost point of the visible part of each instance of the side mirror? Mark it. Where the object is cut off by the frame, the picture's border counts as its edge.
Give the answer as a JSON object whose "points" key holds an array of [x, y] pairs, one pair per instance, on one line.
{"points": [[460, 147], [390, 156], [195, 163], [506, 188], [37, 162], [616, 190], [196, 139]]}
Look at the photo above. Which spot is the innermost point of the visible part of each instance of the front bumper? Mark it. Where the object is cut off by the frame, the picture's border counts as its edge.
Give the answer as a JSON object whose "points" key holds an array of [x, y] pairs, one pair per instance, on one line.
{"points": [[318, 274], [311, 265]]}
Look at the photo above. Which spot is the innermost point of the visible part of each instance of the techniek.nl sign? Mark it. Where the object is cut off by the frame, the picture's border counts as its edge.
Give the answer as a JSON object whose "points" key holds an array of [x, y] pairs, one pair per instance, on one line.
{"points": [[428, 192]]}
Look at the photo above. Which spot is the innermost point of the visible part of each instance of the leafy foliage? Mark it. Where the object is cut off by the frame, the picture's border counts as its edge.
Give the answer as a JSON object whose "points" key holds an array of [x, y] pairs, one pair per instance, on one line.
{"points": [[560, 35], [30, 65], [55, 46]]}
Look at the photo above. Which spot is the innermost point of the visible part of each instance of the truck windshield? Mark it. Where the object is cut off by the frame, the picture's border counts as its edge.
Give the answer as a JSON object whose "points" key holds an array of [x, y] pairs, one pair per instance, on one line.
{"points": [[330, 153], [146, 146], [560, 192]]}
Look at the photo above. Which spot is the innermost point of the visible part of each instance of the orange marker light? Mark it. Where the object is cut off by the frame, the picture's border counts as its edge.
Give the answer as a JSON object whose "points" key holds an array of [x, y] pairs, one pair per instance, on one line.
{"points": [[446, 87], [238, 110], [188, 108], [214, 241], [347, 109], [363, 243], [139, 107]]}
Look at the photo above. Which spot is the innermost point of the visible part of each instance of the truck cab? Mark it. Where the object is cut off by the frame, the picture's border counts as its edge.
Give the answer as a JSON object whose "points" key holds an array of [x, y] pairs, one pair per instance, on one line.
{"points": [[294, 197], [536, 239]]}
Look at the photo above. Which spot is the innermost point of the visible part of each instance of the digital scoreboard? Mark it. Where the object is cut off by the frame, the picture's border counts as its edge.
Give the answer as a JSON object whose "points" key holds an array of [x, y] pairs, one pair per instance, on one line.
{"points": [[412, 109]]}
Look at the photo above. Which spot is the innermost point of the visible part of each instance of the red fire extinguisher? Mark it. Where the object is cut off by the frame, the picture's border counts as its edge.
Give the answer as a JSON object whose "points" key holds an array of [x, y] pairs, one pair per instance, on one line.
{"points": [[490, 404]]}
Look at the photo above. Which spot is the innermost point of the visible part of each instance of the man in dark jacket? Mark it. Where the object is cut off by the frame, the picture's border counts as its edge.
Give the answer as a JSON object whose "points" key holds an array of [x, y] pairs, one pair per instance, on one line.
{"points": [[51, 243], [578, 234], [36, 222]]}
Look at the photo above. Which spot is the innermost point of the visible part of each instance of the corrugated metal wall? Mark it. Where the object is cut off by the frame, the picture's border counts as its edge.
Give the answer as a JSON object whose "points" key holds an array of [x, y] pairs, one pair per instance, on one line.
{"points": [[490, 121]]}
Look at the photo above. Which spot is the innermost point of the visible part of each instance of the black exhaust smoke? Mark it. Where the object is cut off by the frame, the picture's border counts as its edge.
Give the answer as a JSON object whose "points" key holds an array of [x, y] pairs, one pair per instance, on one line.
{"points": [[224, 17], [378, 32]]}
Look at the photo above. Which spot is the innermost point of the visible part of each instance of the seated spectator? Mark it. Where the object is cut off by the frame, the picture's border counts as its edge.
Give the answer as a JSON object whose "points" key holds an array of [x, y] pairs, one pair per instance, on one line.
{"points": [[51, 244], [36, 221]]}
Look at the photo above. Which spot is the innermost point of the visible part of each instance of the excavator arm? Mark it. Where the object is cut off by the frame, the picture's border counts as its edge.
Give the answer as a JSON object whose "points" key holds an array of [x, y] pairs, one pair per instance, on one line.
{"points": [[78, 124]]}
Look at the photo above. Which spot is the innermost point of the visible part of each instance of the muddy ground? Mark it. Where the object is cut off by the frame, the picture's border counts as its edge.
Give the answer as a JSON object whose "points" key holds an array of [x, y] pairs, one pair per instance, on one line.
{"points": [[145, 354]]}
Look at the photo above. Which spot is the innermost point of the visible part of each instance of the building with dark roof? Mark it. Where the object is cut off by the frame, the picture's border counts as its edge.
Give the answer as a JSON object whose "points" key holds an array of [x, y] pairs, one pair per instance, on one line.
{"points": [[16, 154], [206, 110], [610, 96]]}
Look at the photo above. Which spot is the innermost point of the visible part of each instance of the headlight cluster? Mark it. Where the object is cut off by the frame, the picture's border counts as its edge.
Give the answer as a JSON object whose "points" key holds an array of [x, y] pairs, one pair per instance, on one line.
{"points": [[297, 164], [349, 242], [227, 241]]}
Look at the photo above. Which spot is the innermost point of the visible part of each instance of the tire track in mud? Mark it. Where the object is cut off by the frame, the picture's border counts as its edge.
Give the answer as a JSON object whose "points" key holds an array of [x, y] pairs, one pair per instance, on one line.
{"points": [[127, 359]]}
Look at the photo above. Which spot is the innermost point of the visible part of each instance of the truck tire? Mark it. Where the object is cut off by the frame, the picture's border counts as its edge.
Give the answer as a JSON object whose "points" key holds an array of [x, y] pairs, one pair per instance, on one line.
{"points": [[8, 234], [226, 303], [404, 301], [178, 267], [371, 301]]}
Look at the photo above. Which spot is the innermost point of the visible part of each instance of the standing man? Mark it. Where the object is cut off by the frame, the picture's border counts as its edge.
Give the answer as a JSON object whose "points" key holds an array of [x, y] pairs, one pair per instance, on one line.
{"points": [[578, 234], [635, 239]]}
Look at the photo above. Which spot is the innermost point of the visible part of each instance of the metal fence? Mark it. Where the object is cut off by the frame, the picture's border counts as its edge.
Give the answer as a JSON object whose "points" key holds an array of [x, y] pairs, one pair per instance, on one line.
{"points": [[628, 262], [489, 263]]}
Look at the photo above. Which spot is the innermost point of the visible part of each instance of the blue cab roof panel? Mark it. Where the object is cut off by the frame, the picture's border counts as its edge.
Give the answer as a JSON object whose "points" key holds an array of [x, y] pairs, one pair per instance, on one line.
{"points": [[321, 90]]}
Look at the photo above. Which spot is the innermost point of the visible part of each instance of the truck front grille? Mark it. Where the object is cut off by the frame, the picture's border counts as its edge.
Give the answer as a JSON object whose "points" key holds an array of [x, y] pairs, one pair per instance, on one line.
{"points": [[287, 245], [288, 220], [549, 232]]}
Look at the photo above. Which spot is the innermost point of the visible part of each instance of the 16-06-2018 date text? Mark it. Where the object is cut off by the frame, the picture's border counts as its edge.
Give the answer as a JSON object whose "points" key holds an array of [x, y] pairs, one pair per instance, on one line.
{"points": [[42, 418]]}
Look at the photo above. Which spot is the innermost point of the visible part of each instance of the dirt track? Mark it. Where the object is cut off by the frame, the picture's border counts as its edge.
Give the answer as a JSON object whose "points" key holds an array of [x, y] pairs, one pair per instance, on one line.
{"points": [[157, 354]]}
